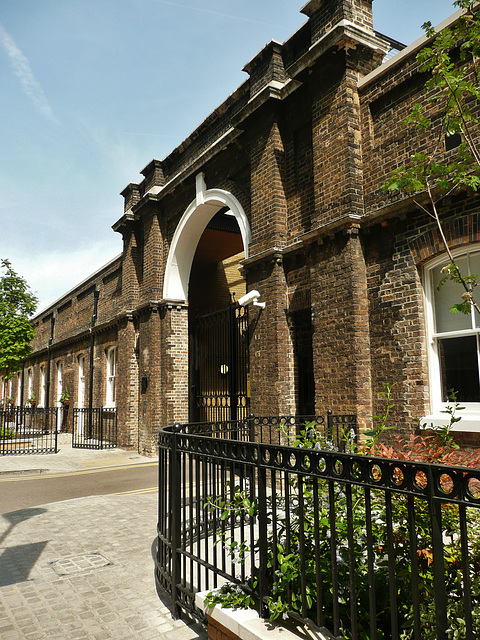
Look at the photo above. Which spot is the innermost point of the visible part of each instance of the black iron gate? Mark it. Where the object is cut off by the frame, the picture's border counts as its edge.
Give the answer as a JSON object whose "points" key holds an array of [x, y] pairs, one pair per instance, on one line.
{"points": [[28, 430], [94, 428], [219, 366]]}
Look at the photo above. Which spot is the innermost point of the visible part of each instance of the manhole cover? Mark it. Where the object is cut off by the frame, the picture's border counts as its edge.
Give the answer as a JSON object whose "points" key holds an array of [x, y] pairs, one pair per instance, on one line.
{"points": [[77, 564]]}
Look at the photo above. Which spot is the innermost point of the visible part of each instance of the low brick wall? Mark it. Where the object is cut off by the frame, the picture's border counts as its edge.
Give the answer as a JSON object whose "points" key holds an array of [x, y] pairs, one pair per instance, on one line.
{"points": [[245, 624], [216, 631]]}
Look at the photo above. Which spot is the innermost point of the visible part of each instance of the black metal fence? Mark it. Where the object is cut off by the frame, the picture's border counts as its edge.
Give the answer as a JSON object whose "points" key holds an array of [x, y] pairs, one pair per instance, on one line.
{"points": [[28, 430], [338, 432], [364, 547], [94, 428]]}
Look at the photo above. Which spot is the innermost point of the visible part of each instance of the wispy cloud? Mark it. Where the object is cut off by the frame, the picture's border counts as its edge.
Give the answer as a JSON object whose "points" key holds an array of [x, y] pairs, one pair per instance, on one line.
{"points": [[122, 155], [23, 71], [45, 277], [215, 13]]}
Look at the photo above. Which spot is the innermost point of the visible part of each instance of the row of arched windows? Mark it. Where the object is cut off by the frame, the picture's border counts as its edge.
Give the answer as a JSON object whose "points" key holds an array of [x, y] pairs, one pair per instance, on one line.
{"points": [[10, 390]]}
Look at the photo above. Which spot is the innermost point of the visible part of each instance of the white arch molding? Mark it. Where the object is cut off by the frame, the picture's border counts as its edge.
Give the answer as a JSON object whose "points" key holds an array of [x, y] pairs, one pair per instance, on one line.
{"points": [[188, 233]]}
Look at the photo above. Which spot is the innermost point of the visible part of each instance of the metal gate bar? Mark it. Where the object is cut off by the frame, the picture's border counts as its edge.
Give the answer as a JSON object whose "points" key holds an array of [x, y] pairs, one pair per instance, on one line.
{"points": [[219, 365], [28, 430], [94, 428]]}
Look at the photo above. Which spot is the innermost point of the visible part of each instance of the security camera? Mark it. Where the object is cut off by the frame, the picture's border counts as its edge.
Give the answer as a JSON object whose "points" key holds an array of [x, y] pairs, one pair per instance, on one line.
{"points": [[251, 296]]}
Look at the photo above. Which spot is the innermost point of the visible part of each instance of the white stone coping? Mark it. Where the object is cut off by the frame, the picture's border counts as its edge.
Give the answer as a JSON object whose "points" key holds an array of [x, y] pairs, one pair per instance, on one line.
{"points": [[469, 423], [247, 624], [412, 48]]}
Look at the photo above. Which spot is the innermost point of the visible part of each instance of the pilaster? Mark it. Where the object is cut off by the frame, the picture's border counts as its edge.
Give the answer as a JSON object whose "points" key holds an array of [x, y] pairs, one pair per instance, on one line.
{"points": [[127, 387]]}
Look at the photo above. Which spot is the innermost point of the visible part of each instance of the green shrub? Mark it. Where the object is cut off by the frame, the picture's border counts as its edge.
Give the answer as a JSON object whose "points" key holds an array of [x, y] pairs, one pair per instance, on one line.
{"points": [[7, 434], [300, 551]]}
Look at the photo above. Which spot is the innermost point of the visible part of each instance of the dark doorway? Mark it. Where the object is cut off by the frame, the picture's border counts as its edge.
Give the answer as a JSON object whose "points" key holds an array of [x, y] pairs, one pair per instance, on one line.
{"points": [[218, 328], [303, 350], [215, 278]]}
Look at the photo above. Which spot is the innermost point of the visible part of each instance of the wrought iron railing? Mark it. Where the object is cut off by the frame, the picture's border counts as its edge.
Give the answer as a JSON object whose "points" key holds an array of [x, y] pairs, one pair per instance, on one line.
{"points": [[337, 431], [94, 428], [28, 430], [363, 546]]}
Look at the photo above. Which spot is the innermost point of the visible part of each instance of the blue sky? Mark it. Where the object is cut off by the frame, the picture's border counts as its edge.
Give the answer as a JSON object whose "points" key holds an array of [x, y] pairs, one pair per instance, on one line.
{"points": [[92, 90]]}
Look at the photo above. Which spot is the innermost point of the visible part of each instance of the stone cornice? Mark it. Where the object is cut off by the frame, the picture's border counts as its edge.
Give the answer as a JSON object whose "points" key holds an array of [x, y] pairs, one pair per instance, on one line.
{"points": [[216, 147], [349, 224], [127, 218], [343, 34]]}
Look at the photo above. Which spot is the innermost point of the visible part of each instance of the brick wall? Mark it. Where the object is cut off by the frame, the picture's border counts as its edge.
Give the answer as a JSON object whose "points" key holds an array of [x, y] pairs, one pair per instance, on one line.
{"points": [[216, 631], [304, 145], [325, 14]]}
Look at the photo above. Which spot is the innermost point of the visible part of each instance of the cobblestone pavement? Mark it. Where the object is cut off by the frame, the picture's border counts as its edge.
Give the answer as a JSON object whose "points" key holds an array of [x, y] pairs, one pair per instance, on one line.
{"points": [[83, 569]]}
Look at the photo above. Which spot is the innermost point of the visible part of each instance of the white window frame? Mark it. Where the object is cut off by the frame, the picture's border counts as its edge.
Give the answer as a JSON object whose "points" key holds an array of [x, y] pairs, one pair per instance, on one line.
{"points": [[81, 382], [59, 383], [43, 386], [19, 389], [470, 416], [110, 398], [29, 383]]}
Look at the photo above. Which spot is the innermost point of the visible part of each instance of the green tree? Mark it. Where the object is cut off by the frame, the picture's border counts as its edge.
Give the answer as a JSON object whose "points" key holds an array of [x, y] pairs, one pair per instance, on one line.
{"points": [[17, 305], [453, 89]]}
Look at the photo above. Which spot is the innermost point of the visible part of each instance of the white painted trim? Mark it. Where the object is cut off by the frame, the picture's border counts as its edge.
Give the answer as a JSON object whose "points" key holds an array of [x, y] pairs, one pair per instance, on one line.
{"points": [[110, 397], [247, 624], [59, 386], [189, 231], [470, 419], [470, 416], [81, 382], [43, 386], [432, 351], [404, 53]]}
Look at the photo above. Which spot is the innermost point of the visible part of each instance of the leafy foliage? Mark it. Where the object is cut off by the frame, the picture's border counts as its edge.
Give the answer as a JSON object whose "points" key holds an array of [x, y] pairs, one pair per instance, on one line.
{"points": [[7, 434], [453, 91], [381, 422], [451, 272], [300, 546], [17, 305]]}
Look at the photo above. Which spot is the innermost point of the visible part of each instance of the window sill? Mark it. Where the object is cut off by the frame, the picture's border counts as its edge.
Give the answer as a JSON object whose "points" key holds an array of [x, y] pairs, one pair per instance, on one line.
{"points": [[470, 421]]}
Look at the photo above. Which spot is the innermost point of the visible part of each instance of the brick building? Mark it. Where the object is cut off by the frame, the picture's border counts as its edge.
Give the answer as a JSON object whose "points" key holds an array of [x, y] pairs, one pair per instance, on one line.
{"points": [[278, 191]]}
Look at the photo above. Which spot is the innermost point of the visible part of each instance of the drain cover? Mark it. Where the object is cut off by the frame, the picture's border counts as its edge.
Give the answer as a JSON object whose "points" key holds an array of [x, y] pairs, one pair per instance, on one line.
{"points": [[78, 564]]}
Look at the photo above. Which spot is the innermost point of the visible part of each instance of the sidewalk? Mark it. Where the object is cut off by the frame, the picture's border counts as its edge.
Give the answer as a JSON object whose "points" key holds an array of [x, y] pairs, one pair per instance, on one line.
{"points": [[68, 459], [82, 569]]}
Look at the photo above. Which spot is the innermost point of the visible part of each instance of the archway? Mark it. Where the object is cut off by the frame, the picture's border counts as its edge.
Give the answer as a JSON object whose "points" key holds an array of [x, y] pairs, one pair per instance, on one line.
{"points": [[203, 267], [189, 232]]}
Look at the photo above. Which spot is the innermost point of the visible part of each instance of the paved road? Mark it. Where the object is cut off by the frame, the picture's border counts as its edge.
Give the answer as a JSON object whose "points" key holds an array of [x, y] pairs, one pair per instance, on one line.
{"points": [[22, 492], [81, 568]]}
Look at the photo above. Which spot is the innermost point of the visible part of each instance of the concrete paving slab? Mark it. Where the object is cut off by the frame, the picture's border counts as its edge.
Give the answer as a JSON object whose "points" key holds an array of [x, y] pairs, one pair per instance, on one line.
{"points": [[84, 569]]}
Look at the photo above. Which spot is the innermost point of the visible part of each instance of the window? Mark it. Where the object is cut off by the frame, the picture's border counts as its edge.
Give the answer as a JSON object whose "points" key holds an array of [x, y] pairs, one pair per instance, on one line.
{"points": [[452, 141], [111, 374], [29, 384], [453, 338], [81, 382], [19, 389], [42, 386], [59, 382]]}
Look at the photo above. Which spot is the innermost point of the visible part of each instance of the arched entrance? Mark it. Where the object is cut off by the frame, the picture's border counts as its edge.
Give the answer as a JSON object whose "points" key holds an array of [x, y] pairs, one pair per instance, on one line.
{"points": [[189, 231], [203, 268]]}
